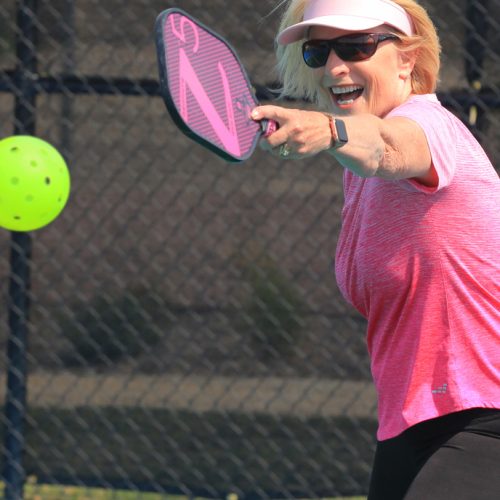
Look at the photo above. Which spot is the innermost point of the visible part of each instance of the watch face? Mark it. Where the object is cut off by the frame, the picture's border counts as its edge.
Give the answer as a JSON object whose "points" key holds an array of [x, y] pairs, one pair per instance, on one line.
{"points": [[341, 131]]}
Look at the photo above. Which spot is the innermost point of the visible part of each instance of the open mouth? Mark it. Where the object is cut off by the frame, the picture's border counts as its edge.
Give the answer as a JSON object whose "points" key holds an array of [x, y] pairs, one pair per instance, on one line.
{"points": [[346, 95]]}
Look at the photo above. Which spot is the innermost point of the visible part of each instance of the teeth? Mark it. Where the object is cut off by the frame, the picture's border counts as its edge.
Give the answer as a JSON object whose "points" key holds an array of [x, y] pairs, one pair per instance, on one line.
{"points": [[349, 101], [345, 90]]}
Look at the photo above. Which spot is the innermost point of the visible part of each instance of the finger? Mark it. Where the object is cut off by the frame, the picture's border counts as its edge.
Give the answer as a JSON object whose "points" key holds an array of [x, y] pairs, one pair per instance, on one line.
{"points": [[278, 138], [273, 141], [268, 112], [277, 114]]}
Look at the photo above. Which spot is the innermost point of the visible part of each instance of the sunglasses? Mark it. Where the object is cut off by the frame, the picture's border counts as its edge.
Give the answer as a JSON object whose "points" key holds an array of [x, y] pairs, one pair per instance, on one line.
{"points": [[357, 47]]}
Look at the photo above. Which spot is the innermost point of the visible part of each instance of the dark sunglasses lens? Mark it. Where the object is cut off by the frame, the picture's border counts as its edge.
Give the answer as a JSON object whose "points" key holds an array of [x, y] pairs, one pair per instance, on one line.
{"points": [[315, 55], [348, 48], [356, 48]]}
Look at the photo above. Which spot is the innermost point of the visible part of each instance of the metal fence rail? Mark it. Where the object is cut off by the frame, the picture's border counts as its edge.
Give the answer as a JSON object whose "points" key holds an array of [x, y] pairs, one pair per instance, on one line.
{"points": [[178, 328]]}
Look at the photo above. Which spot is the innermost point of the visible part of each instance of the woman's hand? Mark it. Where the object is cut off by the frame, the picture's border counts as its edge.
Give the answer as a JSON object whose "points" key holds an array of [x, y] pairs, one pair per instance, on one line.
{"points": [[300, 133]]}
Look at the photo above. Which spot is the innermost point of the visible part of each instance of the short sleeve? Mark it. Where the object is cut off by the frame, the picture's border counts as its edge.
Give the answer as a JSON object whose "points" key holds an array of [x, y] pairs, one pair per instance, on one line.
{"points": [[440, 131]]}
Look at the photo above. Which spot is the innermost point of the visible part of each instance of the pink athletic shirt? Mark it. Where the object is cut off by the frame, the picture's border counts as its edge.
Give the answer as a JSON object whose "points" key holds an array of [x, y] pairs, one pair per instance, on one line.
{"points": [[423, 266]]}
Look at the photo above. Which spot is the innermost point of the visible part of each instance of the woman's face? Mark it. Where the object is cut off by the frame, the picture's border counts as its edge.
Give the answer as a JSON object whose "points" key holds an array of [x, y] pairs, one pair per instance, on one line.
{"points": [[376, 85]]}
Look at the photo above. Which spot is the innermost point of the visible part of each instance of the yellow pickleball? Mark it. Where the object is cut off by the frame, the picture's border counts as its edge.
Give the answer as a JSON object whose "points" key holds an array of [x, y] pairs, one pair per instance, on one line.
{"points": [[34, 183]]}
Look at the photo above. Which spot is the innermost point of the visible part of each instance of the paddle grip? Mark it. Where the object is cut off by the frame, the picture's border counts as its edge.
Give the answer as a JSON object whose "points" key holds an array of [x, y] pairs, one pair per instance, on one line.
{"points": [[268, 127]]}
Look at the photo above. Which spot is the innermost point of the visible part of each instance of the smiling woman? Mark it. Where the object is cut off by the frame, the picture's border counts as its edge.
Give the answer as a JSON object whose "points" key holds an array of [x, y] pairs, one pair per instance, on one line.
{"points": [[298, 81], [416, 181]]}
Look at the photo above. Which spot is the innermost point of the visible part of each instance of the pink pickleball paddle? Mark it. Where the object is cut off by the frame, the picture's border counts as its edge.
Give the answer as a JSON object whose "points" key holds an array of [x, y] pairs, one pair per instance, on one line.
{"points": [[206, 88]]}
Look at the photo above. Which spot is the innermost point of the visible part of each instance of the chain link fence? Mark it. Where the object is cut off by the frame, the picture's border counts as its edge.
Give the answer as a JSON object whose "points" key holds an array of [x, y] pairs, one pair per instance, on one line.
{"points": [[185, 334]]}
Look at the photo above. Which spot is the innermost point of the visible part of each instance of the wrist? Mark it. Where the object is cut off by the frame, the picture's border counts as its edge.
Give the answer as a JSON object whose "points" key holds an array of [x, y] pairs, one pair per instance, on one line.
{"points": [[338, 132]]}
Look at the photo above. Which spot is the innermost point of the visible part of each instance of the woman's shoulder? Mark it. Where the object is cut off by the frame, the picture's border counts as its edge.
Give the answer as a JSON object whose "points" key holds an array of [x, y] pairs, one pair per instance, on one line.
{"points": [[421, 103], [431, 115]]}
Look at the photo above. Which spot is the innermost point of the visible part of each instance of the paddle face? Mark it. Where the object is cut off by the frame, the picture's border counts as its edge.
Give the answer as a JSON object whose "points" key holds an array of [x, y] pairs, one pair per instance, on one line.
{"points": [[205, 87]]}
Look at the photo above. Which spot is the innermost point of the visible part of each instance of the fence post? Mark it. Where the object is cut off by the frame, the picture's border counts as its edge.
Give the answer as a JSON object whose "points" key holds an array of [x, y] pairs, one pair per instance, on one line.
{"points": [[15, 404]]}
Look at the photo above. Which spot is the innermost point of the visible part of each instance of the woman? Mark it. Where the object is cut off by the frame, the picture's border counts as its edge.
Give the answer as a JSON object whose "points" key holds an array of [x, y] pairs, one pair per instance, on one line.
{"points": [[418, 254]]}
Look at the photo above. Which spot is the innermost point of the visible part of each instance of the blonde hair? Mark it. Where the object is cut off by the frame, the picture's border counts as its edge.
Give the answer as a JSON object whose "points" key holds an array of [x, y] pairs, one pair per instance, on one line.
{"points": [[299, 82]]}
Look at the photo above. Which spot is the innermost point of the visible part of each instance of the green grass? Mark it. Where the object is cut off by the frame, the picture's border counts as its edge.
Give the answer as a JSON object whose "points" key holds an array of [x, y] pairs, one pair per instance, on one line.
{"points": [[35, 491], [49, 492]]}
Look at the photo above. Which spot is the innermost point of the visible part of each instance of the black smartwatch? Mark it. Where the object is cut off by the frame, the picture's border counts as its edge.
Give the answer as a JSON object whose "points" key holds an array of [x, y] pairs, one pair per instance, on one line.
{"points": [[338, 131], [342, 137]]}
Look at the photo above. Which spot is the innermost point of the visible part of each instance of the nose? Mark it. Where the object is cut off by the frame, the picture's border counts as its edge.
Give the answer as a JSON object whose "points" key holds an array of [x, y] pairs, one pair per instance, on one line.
{"points": [[335, 66]]}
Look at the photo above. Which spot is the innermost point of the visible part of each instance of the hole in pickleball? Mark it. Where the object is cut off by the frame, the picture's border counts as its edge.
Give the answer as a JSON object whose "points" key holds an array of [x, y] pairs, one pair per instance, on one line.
{"points": [[14, 181], [47, 180], [29, 198]]}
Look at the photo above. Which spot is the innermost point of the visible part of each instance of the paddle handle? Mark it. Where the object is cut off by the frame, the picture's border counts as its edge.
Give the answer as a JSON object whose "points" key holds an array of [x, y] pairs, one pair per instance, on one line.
{"points": [[268, 127]]}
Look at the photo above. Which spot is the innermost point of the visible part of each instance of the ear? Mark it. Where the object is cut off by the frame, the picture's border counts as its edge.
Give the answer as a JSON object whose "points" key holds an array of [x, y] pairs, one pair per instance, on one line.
{"points": [[406, 63]]}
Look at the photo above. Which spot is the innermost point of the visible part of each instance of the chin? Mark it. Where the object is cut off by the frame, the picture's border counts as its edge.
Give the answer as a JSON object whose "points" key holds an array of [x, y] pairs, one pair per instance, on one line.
{"points": [[349, 109]]}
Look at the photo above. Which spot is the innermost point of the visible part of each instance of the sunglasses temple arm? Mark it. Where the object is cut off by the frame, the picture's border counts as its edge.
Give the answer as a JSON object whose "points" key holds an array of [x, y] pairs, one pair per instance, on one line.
{"points": [[268, 127]]}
